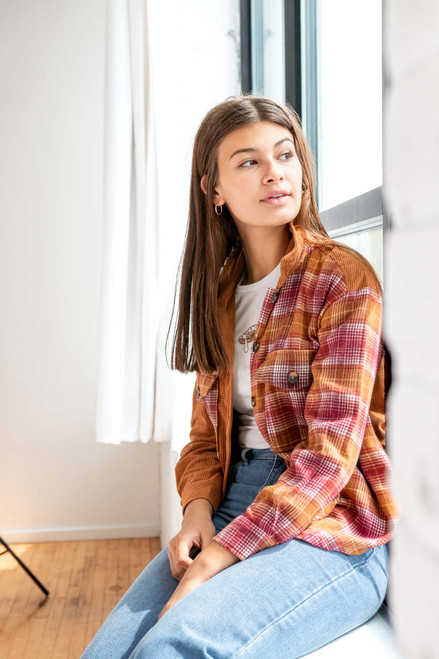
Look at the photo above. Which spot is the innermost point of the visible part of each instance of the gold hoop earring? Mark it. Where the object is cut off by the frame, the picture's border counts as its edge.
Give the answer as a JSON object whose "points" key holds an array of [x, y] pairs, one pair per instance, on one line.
{"points": [[221, 209]]}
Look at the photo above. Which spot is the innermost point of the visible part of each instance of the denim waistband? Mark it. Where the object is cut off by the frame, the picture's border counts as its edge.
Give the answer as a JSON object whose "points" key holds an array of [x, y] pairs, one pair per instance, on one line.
{"points": [[259, 454]]}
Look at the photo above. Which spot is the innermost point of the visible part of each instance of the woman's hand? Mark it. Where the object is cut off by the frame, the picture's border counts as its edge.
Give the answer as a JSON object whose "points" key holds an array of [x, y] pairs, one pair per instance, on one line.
{"points": [[197, 531], [209, 562]]}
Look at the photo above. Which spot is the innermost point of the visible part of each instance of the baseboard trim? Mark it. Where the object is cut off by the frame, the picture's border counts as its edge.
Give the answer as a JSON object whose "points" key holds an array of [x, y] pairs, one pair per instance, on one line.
{"points": [[81, 533]]}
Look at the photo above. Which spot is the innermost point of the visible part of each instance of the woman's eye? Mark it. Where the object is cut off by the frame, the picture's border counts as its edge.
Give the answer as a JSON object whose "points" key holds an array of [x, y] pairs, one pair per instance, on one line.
{"points": [[290, 154]]}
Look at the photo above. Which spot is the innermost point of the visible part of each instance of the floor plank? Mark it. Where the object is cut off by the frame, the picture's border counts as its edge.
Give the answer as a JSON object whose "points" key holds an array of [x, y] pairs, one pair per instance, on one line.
{"points": [[85, 580]]}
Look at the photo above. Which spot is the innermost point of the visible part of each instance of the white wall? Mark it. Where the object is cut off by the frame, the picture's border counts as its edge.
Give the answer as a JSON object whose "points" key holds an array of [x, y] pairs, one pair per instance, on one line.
{"points": [[411, 175], [57, 482]]}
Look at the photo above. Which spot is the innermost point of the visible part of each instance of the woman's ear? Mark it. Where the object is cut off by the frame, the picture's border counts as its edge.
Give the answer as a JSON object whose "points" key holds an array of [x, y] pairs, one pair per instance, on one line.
{"points": [[217, 197], [203, 184]]}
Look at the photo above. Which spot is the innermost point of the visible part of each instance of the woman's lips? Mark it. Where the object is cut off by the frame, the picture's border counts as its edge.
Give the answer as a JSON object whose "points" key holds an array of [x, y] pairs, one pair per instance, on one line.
{"points": [[276, 201]]}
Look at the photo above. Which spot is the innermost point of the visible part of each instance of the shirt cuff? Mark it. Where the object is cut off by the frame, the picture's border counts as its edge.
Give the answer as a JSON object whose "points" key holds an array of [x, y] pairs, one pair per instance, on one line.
{"points": [[243, 538]]}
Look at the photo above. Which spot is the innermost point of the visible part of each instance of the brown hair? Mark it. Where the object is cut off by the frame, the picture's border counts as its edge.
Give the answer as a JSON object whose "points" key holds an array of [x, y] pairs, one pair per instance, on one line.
{"points": [[210, 240]]}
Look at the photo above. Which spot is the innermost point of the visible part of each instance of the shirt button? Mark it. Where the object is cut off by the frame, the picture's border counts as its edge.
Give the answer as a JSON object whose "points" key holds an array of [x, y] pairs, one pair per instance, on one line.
{"points": [[292, 377], [255, 346], [253, 401], [274, 296], [198, 391]]}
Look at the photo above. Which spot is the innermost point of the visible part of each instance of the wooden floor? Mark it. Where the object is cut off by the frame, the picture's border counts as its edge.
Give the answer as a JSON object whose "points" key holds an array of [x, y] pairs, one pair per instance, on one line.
{"points": [[85, 580]]}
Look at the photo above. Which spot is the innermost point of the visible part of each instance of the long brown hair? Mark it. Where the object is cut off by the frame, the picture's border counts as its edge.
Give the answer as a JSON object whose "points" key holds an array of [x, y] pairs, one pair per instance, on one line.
{"points": [[209, 241]]}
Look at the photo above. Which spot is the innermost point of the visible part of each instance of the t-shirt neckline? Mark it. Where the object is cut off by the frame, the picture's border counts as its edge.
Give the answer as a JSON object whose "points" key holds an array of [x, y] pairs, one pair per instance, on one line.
{"points": [[256, 284]]}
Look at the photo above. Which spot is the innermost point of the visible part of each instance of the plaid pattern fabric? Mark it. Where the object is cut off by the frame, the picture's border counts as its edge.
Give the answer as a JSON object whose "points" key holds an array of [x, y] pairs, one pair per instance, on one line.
{"points": [[317, 373]]}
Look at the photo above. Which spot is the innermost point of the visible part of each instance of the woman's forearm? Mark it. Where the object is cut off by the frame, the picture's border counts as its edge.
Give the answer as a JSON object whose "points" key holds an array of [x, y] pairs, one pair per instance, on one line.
{"points": [[198, 507]]}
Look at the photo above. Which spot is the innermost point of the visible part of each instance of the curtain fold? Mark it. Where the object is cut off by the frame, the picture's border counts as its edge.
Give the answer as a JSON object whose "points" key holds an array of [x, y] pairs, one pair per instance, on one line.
{"points": [[130, 277]]}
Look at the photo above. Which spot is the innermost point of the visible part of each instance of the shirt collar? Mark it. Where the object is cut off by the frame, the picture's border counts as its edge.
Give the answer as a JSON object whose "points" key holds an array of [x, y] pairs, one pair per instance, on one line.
{"points": [[234, 264]]}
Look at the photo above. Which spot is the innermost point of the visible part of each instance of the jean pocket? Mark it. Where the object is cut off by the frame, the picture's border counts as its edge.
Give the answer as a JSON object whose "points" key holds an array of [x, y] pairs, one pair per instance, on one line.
{"points": [[274, 473]]}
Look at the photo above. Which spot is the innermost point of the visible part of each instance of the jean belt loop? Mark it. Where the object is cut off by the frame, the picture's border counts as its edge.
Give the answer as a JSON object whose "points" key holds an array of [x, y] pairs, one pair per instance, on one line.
{"points": [[244, 454]]}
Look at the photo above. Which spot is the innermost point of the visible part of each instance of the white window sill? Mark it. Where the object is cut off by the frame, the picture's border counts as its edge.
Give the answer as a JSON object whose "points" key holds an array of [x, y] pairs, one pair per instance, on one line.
{"points": [[373, 639]]}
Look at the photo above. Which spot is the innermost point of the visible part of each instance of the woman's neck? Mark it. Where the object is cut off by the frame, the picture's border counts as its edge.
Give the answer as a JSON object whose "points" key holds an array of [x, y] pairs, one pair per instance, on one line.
{"points": [[262, 254]]}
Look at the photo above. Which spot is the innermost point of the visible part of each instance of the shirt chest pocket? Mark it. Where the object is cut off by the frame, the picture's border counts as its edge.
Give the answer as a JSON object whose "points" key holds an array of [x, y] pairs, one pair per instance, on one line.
{"points": [[289, 370]]}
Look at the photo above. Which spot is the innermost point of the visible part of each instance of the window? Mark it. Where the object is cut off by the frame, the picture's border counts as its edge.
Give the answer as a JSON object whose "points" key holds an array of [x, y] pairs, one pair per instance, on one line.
{"points": [[325, 59]]}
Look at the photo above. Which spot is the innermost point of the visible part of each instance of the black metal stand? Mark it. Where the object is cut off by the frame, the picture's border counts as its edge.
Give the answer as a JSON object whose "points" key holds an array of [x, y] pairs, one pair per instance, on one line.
{"points": [[25, 568]]}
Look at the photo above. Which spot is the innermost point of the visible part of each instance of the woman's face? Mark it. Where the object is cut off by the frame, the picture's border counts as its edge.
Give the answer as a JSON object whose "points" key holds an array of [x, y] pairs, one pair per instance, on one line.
{"points": [[253, 162]]}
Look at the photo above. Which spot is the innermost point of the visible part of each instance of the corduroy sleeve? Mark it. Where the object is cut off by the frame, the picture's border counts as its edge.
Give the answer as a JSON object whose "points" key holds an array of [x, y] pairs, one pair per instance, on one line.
{"points": [[198, 471], [336, 411]]}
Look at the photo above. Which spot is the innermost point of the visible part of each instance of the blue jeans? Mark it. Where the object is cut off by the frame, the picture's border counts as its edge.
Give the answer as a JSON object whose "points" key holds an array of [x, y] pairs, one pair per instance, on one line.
{"points": [[284, 601]]}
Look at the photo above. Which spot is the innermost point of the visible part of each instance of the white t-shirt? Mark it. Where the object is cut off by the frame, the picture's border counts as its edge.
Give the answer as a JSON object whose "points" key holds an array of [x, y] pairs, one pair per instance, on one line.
{"points": [[248, 305]]}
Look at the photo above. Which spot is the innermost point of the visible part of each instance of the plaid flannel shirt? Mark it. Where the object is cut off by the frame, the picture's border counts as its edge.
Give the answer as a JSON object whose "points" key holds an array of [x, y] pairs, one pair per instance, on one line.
{"points": [[317, 373]]}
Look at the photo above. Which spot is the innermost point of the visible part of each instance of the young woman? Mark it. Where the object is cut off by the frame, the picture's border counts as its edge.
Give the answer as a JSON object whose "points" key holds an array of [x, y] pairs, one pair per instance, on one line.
{"points": [[284, 485]]}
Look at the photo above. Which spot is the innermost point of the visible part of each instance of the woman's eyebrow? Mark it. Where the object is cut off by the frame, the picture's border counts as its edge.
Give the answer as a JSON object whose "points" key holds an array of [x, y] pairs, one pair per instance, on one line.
{"points": [[285, 139]]}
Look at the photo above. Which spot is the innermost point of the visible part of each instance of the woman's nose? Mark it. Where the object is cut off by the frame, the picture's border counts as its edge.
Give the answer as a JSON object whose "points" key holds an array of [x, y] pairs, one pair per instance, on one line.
{"points": [[273, 172]]}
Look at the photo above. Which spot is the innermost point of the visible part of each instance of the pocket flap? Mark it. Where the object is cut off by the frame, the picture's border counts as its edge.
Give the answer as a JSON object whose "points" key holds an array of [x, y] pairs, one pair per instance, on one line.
{"points": [[203, 383], [287, 369]]}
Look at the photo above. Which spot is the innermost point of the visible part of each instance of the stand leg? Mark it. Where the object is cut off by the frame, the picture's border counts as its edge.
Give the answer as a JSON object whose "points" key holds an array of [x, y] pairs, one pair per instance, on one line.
{"points": [[25, 568]]}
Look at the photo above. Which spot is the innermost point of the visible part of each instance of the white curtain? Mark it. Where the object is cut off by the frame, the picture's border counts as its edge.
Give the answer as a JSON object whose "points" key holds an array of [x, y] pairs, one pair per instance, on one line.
{"points": [[163, 72], [129, 294]]}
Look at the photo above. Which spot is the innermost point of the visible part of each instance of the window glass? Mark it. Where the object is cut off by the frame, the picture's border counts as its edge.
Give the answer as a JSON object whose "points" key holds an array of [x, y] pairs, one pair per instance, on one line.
{"points": [[369, 243], [274, 49], [349, 93]]}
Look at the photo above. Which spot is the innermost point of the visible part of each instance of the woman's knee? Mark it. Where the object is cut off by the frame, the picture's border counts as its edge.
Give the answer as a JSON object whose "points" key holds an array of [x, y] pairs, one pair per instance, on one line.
{"points": [[136, 612]]}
